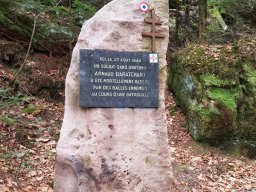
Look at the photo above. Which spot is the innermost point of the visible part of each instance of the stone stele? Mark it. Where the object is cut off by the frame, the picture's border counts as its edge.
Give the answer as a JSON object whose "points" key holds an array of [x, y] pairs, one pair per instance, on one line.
{"points": [[115, 149]]}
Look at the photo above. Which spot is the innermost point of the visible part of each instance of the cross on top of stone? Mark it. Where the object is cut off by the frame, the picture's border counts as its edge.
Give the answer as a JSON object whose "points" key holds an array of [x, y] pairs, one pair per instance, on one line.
{"points": [[153, 34]]}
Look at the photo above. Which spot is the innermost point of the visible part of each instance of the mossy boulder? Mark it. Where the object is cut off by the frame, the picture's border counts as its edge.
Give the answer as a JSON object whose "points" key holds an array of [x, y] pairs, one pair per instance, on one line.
{"points": [[216, 88]]}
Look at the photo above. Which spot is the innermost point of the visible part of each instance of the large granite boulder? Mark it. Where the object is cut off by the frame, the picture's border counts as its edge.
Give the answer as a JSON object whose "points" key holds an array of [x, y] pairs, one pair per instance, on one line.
{"points": [[114, 149], [216, 87]]}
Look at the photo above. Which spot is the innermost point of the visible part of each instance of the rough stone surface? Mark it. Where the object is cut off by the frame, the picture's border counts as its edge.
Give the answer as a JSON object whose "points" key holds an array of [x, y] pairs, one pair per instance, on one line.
{"points": [[219, 102], [113, 149]]}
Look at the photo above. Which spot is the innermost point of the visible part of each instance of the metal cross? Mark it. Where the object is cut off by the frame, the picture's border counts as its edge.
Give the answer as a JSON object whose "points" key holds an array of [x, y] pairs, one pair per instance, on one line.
{"points": [[153, 34]]}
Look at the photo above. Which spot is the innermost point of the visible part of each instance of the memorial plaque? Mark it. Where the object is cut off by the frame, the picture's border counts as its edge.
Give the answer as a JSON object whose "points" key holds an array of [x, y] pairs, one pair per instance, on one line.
{"points": [[118, 79]]}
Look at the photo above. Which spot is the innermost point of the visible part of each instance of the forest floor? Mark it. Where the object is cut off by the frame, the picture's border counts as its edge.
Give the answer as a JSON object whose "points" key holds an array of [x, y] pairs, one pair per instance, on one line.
{"points": [[30, 126], [198, 167]]}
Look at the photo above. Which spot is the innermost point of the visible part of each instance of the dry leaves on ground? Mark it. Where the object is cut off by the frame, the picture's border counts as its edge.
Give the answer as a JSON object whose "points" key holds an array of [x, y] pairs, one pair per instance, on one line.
{"points": [[201, 168]]}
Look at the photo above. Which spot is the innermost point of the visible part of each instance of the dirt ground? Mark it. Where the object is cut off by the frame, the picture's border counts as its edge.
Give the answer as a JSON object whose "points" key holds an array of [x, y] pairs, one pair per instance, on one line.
{"points": [[30, 120], [198, 167]]}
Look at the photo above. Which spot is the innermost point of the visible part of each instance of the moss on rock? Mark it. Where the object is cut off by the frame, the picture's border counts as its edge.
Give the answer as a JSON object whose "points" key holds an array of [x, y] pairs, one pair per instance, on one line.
{"points": [[212, 80], [216, 87], [224, 96]]}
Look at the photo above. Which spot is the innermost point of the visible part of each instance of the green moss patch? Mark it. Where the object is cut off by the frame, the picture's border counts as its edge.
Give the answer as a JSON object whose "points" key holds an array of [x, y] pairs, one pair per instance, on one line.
{"points": [[216, 87], [213, 80], [211, 124], [203, 59], [250, 78], [224, 96]]}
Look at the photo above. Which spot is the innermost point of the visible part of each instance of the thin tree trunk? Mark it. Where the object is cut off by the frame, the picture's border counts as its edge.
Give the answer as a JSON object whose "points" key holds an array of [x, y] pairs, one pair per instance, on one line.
{"points": [[202, 18], [177, 22], [187, 12], [70, 20], [30, 43]]}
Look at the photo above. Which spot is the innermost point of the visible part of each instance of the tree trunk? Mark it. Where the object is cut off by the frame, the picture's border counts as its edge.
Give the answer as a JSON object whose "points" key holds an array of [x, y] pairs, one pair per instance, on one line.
{"points": [[202, 18], [177, 22], [187, 12]]}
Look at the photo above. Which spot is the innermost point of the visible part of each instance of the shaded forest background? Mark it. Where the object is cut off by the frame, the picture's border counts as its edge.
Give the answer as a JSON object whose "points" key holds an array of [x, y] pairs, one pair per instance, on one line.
{"points": [[211, 21], [57, 26], [31, 30]]}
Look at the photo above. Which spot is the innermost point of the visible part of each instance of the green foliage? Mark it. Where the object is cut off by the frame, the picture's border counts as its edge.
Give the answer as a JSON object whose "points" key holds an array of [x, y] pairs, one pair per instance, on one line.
{"points": [[56, 28], [6, 5], [32, 109], [236, 12], [18, 155], [48, 2], [60, 11], [3, 94], [29, 5], [27, 165], [214, 34], [14, 20], [7, 119], [226, 20], [7, 156], [18, 98], [82, 11], [237, 8], [7, 98]]}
